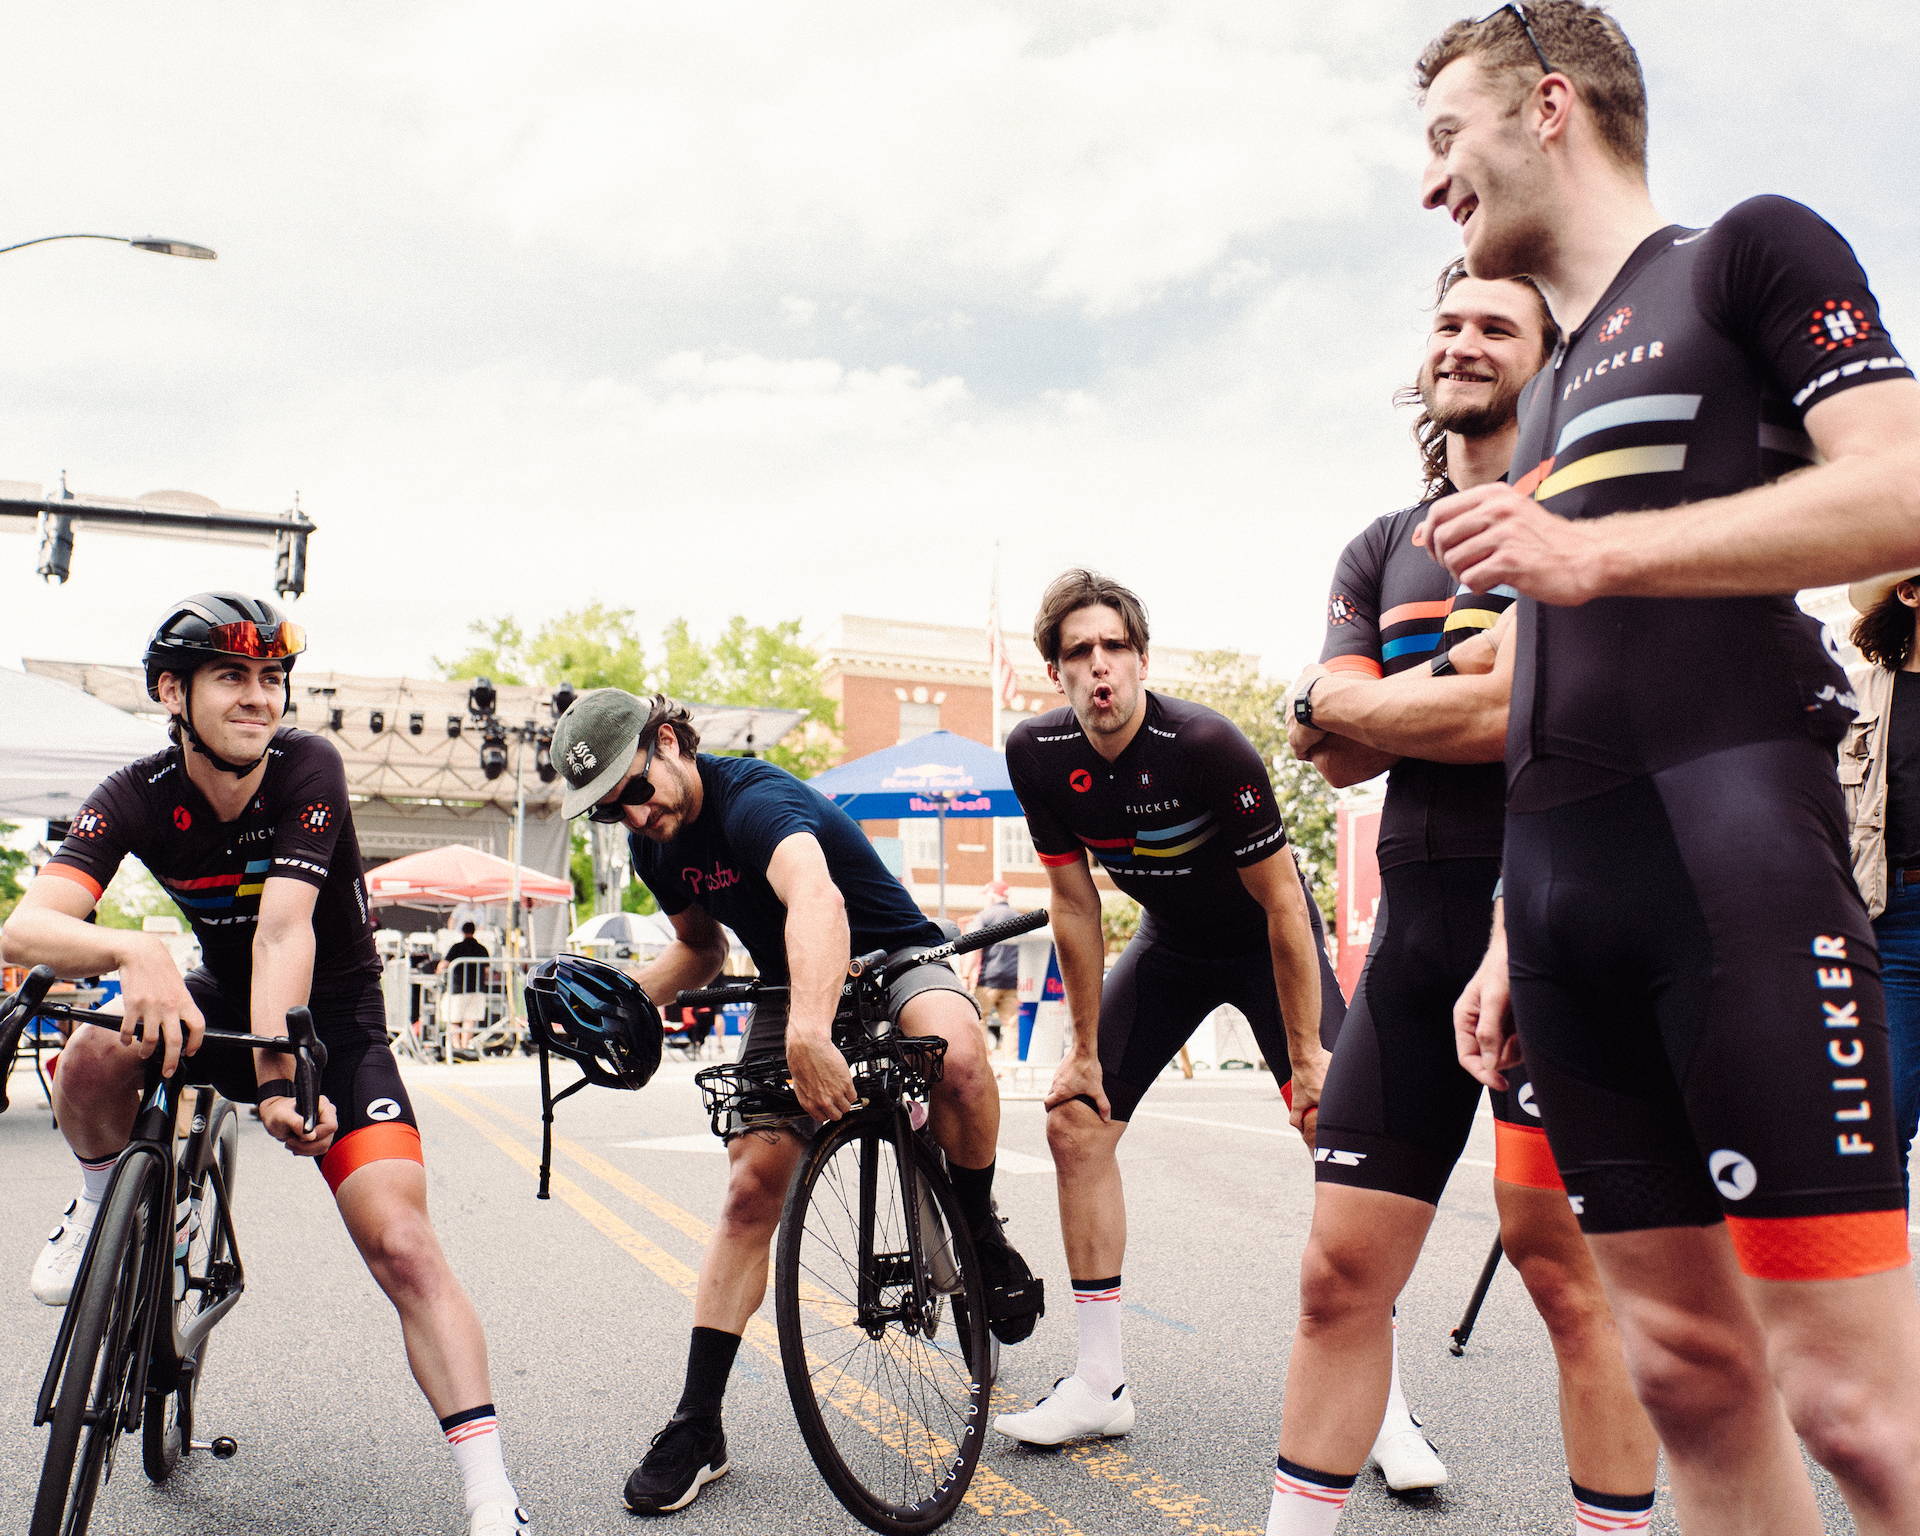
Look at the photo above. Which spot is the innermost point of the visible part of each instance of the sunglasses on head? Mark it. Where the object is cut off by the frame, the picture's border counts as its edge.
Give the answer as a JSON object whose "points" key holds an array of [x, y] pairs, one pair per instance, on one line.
{"points": [[639, 791], [1519, 13]]}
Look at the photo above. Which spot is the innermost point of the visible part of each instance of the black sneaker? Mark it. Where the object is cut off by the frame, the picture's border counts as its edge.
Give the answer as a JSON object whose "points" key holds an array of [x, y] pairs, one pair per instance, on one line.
{"points": [[684, 1457], [1016, 1297]]}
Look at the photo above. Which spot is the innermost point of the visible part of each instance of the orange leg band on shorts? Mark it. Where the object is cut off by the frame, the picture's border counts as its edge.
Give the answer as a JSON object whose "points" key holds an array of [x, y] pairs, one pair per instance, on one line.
{"points": [[1521, 1156], [1819, 1247], [392, 1141]]}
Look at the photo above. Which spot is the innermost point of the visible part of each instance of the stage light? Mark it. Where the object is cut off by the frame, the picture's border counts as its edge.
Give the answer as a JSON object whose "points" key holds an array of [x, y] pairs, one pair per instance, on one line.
{"points": [[481, 697], [416, 723], [563, 698], [377, 721], [453, 725]]}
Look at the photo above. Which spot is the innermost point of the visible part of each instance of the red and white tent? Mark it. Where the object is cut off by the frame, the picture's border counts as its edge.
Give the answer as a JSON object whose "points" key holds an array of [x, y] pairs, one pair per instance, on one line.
{"points": [[458, 875]]}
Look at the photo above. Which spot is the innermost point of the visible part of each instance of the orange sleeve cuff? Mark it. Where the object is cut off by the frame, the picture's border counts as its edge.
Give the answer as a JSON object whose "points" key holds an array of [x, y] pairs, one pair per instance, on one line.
{"points": [[78, 876], [1360, 666]]}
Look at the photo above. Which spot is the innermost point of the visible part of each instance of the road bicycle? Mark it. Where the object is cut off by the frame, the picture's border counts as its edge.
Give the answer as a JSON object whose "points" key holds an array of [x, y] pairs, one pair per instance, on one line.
{"points": [[160, 1271], [880, 1304]]}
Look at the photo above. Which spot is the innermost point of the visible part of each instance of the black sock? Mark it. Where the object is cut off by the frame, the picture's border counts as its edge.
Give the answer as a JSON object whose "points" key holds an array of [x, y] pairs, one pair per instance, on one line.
{"points": [[973, 1188], [709, 1361]]}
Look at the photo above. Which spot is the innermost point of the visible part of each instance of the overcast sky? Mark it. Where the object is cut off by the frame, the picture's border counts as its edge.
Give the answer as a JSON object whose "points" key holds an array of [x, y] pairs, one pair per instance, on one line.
{"points": [[789, 310]]}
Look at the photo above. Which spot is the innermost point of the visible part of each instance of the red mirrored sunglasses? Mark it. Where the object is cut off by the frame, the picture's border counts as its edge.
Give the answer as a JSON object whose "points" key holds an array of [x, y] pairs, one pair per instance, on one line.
{"points": [[245, 638]]}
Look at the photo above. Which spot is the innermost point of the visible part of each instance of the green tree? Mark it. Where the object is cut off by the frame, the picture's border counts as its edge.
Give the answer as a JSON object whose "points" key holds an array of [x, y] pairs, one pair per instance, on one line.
{"points": [[12, 862], [1231, 683], [132, 896], [598, 647]]}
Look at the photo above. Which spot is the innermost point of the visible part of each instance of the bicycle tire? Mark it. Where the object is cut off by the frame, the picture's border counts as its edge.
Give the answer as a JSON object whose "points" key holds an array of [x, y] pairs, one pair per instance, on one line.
{"points": [[114, 1310], [892, 1414], [166, 1433]]}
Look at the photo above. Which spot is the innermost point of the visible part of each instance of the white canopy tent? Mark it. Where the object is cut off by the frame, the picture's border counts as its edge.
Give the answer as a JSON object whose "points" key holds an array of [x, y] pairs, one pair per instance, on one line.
{"points": [[58, 741]]}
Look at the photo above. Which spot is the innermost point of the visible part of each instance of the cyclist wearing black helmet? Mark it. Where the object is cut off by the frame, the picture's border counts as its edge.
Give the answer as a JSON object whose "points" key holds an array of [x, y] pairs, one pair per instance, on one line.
{"points": [[246, 825], [740, 842]]}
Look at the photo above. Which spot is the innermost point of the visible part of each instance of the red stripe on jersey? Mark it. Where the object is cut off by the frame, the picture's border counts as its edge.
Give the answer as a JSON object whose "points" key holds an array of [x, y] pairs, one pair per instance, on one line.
{"points": [[1401, 613], [1055, 860], [1365, 666], [1528, 483], [1106, 842], [204, 883], [78, 876]]}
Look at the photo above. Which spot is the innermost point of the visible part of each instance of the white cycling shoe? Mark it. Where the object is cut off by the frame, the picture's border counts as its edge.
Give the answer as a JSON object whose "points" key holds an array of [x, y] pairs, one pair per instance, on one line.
{"points": [[499, 1518], [1406, 1458], [59, 1261], [1071, 1411]]}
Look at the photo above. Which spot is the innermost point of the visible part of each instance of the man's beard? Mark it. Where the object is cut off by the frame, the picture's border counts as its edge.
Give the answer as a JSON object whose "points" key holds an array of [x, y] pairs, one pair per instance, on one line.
{"points": [[1473, 420]]}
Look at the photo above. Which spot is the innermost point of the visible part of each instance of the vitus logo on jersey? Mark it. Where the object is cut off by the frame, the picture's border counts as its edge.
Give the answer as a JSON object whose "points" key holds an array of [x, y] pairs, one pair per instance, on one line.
{"points": [[1340, 610], [1838, 323], [182, 818], [1616, 322], [317, 817], [1248, 798], [88, 825], [1080, 780]]}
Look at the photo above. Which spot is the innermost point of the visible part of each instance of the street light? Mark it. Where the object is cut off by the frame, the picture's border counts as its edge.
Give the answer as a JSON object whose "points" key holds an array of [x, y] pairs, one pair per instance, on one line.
{"points": [[138, 242]]}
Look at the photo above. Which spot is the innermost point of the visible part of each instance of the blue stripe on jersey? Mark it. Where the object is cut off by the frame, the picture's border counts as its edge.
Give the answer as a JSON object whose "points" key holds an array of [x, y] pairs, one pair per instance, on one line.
{"points": [[1171, 834], [1408, 644], [1625, 413]]}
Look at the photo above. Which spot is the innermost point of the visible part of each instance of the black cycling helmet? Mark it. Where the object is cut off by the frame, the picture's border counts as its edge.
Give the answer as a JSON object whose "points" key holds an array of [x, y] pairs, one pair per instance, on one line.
{"points": [[597, 1015], [208, 626]]}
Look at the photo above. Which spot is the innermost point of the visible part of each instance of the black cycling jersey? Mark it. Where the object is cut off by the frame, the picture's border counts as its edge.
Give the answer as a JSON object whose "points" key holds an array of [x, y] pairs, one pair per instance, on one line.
{"points": [[1394, 607], [1173, 819], [718, 862], [299, 826], [1690, 379]]}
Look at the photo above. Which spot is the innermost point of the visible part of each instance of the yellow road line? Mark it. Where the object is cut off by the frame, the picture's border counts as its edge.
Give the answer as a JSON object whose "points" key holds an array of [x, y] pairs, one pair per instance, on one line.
{"points": [[990, 1495], [1103, 1460]]}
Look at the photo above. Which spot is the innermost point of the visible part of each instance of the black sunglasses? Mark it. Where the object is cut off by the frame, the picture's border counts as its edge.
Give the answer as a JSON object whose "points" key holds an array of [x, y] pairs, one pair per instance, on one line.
{"points": [[1520, 15], [639, 790]]}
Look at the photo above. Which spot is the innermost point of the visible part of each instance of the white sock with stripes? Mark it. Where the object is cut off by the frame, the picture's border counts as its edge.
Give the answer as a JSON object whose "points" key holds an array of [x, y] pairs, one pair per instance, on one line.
{"points": [[473, 1436], [1610, 1514], [1305, 1502], [1096, 1308]]}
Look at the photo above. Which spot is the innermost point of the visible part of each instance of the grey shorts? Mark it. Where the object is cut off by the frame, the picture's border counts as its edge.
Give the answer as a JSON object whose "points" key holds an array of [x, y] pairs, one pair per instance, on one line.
{"points": [[766, 1038]]}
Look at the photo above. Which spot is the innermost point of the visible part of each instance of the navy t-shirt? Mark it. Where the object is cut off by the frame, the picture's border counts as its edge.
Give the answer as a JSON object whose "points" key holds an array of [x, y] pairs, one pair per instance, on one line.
{"points": [[718, 863]]}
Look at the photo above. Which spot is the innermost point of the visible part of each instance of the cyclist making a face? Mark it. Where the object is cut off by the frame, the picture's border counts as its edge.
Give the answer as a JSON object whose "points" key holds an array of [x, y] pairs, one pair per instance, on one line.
{"points": [[246, 824], [741, 842]]}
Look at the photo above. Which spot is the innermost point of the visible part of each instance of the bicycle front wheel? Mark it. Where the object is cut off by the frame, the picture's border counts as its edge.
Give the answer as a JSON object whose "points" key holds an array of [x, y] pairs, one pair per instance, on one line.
{"points": [[166, 1431], [883, 1333], [113, 1310]]}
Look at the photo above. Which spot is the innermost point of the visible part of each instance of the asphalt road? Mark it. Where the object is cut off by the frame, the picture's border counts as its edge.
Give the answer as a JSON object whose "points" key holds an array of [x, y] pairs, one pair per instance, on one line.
{"points": [[587, 1303]]}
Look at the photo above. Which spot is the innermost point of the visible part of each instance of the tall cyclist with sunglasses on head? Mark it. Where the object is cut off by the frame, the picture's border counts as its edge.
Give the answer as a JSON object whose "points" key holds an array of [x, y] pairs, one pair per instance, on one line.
{"points": [[246, 824], [741, 842]]}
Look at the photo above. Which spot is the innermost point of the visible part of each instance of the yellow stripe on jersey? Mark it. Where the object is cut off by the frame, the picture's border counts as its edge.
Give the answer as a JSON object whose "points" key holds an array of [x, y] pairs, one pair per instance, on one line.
{"points": [[1612, 465]]}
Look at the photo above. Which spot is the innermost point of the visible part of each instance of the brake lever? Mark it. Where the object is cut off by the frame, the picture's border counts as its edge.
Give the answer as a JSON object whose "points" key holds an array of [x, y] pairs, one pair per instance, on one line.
{"points": [[309, 1058]]}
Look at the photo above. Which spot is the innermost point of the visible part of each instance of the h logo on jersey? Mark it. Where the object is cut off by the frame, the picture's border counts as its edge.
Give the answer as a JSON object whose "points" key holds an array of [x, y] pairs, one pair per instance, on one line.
{"points": [[1616, 322], [89, 824], [1248, 798], [317, 817], [1340, 610], [1146, 778], [1080, 780], [1838, 324]]}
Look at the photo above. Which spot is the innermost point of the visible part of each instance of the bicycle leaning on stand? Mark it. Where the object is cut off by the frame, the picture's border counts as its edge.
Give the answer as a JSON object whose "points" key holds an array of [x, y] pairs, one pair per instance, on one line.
{"points": [[160, 1271], [879, 1301]]}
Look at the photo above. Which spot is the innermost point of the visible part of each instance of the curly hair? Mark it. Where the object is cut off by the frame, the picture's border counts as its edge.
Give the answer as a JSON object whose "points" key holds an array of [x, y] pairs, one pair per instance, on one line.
{"points": [[1428, 435], [1884, 633], [663, 711]]}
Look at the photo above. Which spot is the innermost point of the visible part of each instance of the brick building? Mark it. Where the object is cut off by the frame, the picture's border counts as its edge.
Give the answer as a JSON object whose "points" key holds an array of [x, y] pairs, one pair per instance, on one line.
{"points": [[895, 679]]}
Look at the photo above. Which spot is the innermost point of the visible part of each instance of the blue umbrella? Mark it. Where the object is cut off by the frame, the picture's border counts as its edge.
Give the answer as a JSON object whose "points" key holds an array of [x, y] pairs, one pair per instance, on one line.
{"points": [[938, 774]]}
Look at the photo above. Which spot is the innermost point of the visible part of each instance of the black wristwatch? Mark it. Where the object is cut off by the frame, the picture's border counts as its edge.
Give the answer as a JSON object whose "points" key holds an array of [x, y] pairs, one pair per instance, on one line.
{"points": [[1443, 664], [1303, 704]]}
